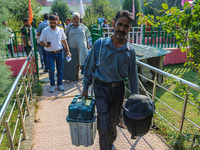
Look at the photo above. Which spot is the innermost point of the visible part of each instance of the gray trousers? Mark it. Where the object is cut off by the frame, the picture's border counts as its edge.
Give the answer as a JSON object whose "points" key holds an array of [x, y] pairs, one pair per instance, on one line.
{"points": [[108, 103]]}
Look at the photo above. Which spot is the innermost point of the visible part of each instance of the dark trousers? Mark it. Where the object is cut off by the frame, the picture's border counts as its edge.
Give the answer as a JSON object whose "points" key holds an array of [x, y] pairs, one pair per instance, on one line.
{"points": [[27, 50], [108, 102], [52, 58], [10, 49]]}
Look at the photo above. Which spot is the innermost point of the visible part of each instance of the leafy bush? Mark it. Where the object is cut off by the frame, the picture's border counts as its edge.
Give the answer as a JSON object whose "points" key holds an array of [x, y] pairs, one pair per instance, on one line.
{"points": [[62, 8]]}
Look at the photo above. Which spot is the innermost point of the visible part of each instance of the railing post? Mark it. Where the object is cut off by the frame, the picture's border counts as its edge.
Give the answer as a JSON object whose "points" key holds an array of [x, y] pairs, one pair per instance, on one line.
{"points": [[21, 115], [184, 110], [154, 87], [12, 147], [35, 50], [16, 44], [143, 35], [27, 45], [29, 82], [25, 92], [32, 70]]}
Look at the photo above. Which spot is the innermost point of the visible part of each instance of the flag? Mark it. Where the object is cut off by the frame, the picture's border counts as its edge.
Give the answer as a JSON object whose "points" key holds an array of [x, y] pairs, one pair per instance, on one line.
{"points": [[30, 12], [81, 10], [183, 2], [133, 8]]}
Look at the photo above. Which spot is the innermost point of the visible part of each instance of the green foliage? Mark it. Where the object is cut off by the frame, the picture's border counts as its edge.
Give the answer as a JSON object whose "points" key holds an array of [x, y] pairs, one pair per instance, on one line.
{"points": [[37, 87], [5, 80], [103, 9], [20, 11], [62, 8], [185, 24], [127, 5], [153, 6], [5, 73]]}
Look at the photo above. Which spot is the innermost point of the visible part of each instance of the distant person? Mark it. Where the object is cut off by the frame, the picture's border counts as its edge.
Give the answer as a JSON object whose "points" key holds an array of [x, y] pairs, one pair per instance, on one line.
{"points": [[89, 34], [51, 39], [38, 47], [105, 25], [26, 29], [60, 24], [9, 43], [77, 37], [41, 50], [68, 21]]}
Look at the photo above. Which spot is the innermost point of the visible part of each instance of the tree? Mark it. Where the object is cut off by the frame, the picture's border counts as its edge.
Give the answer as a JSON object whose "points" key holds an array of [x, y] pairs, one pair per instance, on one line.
{"points": [[62, 8], [103, 9], [128, 5], [5, 73], [20, 11], [153, 6], [186, 26]]}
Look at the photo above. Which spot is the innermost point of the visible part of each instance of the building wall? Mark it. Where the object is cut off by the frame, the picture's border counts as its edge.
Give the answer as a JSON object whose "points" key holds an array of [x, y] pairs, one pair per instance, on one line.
{"points": [[70, 2], [42, 2]]}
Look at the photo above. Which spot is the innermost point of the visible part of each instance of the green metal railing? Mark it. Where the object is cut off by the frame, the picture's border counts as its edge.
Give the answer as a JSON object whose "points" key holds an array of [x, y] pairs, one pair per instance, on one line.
{"points": [[15, 48], [157, 37], [96, 33]]}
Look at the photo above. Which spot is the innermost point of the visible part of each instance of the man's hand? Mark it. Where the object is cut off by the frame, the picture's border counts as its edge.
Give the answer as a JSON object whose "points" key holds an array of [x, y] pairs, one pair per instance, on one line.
{"points": [[84, 94], [69, 54]]}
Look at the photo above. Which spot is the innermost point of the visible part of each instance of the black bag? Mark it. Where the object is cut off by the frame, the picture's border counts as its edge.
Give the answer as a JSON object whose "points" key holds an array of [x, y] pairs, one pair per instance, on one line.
{"points": [[138, 114]]}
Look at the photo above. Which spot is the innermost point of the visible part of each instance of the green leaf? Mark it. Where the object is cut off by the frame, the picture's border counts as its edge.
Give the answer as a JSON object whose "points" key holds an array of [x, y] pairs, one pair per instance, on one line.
{"points": [[165, 6]]}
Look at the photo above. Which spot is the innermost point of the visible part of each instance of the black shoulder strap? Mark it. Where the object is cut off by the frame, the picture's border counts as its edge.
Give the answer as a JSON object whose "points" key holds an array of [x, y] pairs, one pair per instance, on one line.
{"points": [[63, 24]]}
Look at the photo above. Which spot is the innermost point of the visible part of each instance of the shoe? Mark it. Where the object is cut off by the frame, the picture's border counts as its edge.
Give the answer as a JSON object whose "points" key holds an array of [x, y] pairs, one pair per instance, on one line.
{"points": [[46, 70], [51, 89], [60, 88]]}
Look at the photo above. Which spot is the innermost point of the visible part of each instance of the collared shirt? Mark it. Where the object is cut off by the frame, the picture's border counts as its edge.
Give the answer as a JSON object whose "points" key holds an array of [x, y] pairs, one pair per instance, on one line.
{"points": [[42, 25], [53, 36], [110, 64]]}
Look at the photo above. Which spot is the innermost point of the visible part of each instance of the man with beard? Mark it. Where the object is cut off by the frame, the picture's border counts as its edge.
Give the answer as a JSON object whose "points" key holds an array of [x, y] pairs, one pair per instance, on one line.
{"points": [[52, 38], [27, 44], [77, 38], [109, 62]]}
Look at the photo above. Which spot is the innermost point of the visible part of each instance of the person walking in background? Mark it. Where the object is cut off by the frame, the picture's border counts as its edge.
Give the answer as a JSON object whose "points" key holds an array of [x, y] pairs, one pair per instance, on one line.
{"points": [[105, 27], [9, 43], [67, 21], [60, 24], [77, 37], [26, 27], [38, 47], [51, 39], [41, 50], [109, 62]]}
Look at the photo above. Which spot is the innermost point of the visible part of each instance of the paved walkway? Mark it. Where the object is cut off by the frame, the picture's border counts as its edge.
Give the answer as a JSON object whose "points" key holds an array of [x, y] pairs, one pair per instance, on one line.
{"points": [[51, 131]]}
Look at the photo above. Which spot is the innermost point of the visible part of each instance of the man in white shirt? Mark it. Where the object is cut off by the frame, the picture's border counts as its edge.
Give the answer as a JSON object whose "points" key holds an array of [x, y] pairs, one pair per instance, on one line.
{"points": [[52, 38]]}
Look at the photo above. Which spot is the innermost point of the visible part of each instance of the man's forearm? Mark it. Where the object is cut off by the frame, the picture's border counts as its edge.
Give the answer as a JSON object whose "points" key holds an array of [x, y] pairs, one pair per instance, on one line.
{"points": [[42, 43], [66, 46]]}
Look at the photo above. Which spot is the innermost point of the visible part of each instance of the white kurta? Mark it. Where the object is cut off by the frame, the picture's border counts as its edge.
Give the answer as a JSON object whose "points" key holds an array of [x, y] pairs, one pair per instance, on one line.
{"points": [[77, 38]]}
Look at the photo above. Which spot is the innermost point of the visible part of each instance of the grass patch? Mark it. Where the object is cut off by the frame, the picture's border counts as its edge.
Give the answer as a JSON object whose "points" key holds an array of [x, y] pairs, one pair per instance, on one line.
{"points": [[178, 141]]}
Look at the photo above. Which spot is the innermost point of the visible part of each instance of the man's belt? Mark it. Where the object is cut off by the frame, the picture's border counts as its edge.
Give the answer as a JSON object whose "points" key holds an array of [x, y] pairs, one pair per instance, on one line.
{"points": [[111, 84], [56, 51]]}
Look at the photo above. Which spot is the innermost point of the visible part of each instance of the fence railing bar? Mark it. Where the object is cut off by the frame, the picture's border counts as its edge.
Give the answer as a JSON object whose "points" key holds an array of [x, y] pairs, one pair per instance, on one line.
{"points": [[167, 90], [166, 120], [12, 110], [7, 100], [194, 86], [15, 129], [4, 131]]}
